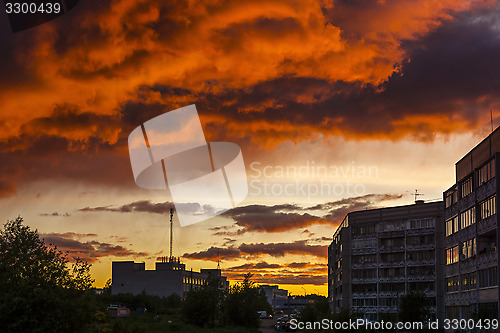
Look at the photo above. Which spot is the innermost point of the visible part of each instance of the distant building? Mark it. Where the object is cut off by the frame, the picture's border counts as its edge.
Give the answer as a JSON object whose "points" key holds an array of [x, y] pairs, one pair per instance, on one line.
{"points": [[471, 234], [292, 304], [378, 255], [274, 294], [169, 277]]}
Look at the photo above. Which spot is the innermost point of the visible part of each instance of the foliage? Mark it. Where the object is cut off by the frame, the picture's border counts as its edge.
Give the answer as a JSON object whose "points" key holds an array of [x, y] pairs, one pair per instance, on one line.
{"points": [[152, 303], [414, 307], [315, 311], [40, 291], [203, 306], [243, 301]]}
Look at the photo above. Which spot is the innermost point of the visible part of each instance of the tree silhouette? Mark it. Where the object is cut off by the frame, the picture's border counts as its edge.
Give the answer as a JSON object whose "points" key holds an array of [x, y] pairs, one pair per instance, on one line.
{"points": [[40, 290]]}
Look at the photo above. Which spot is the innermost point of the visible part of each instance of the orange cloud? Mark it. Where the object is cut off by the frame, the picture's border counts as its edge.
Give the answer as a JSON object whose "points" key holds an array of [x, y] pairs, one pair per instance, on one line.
{"points": [[97, 61]]}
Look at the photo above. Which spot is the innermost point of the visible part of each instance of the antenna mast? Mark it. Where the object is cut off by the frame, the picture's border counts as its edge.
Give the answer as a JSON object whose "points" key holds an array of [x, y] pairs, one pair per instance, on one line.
{"points": [[171, 230], [491, 117], [417, 194], [218, 259]]}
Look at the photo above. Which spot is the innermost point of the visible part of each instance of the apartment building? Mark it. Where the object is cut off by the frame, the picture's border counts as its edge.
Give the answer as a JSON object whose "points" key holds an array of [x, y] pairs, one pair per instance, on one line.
{"points": [[378, 255], [471, 236]]}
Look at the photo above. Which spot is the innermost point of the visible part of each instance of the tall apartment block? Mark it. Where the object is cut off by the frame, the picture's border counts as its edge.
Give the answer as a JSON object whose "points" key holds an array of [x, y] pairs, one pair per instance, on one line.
{"points": [[378, 255], [471, 236]]}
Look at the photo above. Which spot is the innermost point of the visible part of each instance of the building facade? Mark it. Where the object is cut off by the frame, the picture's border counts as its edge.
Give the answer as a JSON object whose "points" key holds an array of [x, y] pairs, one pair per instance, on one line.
{"points": [[169, 277], [378, 255], [275, 296], [471, 236]]}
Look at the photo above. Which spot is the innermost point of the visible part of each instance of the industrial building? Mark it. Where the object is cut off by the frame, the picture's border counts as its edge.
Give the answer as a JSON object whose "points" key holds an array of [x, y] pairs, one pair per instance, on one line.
{"points": [[169, 277], [378, 255], [471, 236]]}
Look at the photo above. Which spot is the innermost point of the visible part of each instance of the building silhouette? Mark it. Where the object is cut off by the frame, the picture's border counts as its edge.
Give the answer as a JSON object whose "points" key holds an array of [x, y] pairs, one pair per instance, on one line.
{"points": [[378, 255], [169, 277], [275, 296]]}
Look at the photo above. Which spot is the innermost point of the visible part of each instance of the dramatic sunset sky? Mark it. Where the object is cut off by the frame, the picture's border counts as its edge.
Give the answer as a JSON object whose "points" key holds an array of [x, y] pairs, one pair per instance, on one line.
{"points": [[385, 95]]}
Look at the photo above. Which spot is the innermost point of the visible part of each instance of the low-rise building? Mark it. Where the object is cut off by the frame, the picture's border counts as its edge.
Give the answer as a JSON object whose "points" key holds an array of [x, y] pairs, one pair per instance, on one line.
{"points": [[169, 277], [274, 295]]}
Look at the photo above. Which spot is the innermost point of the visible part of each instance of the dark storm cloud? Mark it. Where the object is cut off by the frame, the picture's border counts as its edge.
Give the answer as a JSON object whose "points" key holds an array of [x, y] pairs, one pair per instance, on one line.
{"points": [[146, 206], [447, 83], [55, 214], [89, 251], [138, 206], [259, 249], [338, 209], [285, 217], [277, 218], [7, 189]]}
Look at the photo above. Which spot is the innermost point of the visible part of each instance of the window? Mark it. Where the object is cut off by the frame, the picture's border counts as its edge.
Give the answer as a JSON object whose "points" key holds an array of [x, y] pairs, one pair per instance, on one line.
{"points": [[486, 172], [421, 223], [487, 207], [466, 187], [451, 197], [364, 243], [367, 258], [452, 226], [469, 248], [468, 218], [469, 281], [488, 277], [452, 284], [452, 255]]}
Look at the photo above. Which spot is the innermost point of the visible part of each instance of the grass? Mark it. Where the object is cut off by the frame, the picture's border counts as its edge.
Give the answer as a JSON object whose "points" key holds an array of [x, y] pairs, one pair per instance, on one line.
{"points": [[148, 323]]}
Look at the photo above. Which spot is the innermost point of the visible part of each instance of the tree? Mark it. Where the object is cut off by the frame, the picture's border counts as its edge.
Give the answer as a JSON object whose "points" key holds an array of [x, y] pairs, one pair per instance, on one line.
{"points": [[316, 311], [40, 291], [243, 301], [203, 306], [414, 307]]}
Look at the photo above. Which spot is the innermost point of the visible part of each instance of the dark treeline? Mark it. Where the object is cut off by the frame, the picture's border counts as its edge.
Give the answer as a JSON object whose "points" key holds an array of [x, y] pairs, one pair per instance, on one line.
{"points": [[42, 291]]}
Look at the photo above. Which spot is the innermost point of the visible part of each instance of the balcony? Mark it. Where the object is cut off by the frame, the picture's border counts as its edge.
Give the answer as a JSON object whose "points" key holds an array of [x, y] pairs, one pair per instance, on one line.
{"points": [[364, 280], [419, 278], [488, 259], [392, 279], [367, 264], [391, 264], [488, 224], [468, 264], [365, 250], [368, 294], [419, 247], [451, 269], [466, 203], [422, 231], [426, 262], [386, 249], [486, 189], [390, 293]]}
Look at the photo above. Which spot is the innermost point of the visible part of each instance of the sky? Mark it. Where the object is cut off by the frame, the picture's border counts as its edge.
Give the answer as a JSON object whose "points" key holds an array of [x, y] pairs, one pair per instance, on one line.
{"points": [[336, 105]]}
